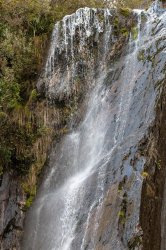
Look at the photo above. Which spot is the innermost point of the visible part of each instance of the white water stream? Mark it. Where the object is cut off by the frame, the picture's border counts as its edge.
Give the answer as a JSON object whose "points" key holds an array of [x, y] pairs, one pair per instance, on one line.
{"points": [[82, 158]]}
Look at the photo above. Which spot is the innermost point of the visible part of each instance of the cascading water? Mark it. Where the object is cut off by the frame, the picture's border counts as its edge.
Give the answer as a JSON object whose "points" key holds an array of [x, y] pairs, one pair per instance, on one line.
{"points": [[90, 197]]}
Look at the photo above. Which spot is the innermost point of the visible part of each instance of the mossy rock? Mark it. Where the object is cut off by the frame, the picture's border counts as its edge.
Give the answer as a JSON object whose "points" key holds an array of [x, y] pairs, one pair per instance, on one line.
{"points": [[34, 95], [30, 193], [141, 56], [28, 202], [125, 12], [134, 33], [124, 32], [143, 17], [116, 25]]}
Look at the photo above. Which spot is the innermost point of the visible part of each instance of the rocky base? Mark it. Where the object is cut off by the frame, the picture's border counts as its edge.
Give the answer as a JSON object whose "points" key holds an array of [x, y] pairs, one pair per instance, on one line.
{"points": [[12, 201]]}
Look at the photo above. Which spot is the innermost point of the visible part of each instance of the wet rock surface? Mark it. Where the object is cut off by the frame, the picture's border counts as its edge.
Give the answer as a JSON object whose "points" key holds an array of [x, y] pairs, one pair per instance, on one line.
{"points": [[12, 202], [152, 215]]}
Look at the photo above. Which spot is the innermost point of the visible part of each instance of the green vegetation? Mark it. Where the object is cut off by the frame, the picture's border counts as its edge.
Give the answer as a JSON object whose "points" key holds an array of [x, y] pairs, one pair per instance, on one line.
{"points": [[134, 33], [121, 216], [125, 12], [124, 32], [122, 212], [141, 55], [31, 193], [134, 4], [145, 175], [116, 26], [158, 164]]}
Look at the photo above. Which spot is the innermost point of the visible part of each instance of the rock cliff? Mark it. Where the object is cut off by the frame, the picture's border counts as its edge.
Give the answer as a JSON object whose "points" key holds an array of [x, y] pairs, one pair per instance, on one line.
{"points": [[103, 185]]}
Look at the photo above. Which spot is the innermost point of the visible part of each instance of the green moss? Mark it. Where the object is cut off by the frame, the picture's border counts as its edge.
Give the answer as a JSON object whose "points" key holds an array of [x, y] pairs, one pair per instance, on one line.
{"points": [[116, 22], [120, 187], [122, 212], [30, 199], [145, 174], [151, 59], [143, 17], [141, 56], [28, 202], [122, 217], [30, 193], [43, 130], [125, 12], [9, 93], [116, 26], [158, 164], [134, 33], [124, 32], [34, 95]]}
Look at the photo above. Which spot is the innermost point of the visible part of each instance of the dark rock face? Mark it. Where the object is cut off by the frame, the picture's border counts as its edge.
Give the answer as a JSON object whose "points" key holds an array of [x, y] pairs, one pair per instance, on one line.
{"points": [[152, 215], [11, 214]]}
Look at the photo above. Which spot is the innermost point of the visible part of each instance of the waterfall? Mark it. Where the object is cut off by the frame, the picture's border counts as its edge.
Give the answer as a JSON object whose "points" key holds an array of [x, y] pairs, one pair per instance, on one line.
{"points": [[90, 197]]}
